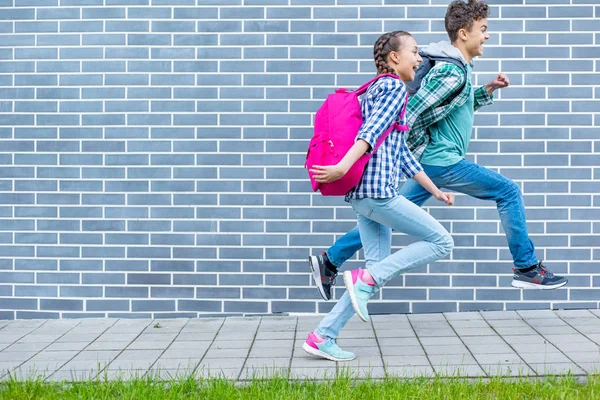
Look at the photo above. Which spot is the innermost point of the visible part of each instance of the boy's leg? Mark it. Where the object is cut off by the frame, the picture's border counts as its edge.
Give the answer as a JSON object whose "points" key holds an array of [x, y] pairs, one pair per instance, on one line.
{"points": [[324, 267], [485, 184]]}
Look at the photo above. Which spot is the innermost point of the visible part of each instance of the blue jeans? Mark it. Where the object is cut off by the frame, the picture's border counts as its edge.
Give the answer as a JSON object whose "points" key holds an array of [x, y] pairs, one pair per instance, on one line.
{"points": [[474, 180], [376, 219]]}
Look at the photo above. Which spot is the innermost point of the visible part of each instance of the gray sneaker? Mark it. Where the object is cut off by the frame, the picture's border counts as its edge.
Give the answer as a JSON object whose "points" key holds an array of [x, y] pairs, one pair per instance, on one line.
{"points": [[322, 274], [537, 278]]}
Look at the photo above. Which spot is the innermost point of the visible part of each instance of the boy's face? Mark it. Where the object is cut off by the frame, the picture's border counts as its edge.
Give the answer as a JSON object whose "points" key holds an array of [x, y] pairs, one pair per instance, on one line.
{"points": [[477, 37]]}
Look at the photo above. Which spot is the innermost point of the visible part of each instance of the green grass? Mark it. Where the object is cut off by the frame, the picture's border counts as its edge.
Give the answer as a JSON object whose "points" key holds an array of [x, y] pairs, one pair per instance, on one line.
{"points": [[340, 388]]}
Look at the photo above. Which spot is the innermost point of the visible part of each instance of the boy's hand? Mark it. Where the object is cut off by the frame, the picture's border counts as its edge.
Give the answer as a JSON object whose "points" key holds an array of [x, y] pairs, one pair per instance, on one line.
{"points": [[328, 173], [499, 82]]}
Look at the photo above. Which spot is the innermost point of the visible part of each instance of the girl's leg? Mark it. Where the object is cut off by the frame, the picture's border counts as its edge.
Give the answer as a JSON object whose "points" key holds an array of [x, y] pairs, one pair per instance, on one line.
{"points": [[341, 313], [403, 216]]}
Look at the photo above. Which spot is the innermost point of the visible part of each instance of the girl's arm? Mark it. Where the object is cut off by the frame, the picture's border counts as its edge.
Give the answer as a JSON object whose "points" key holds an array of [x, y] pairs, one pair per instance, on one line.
{"points": [[423, 180], [330, 173]]}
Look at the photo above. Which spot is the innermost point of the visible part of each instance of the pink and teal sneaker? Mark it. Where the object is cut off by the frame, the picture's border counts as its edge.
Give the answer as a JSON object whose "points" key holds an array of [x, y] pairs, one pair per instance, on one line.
{"points": [[326, 348], [359, 292]]}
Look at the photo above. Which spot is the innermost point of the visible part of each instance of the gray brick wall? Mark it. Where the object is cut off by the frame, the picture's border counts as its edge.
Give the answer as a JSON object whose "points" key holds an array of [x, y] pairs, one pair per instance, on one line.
{"points": [[151, 154]]}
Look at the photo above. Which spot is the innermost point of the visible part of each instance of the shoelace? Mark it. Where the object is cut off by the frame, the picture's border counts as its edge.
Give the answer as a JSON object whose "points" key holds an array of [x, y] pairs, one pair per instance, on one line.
{"points": [[544, 272]]}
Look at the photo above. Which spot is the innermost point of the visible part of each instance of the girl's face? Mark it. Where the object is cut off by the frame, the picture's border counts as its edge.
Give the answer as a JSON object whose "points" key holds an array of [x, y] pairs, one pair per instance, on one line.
{"points": [[406, 60]]}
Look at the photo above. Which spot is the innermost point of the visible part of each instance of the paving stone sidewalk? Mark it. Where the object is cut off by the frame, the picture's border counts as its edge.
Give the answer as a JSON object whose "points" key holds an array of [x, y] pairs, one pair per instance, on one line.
{"points": [[477, 344]]}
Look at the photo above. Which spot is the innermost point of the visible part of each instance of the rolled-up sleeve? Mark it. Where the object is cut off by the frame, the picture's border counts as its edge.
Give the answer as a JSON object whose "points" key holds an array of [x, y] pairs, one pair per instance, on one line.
{"points": [[410, 165], [389, 100]]}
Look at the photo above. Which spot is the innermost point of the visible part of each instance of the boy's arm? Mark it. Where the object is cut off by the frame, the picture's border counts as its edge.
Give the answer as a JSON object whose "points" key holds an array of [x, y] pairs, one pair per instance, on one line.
{"points": [[482, 98], [484, 95]]}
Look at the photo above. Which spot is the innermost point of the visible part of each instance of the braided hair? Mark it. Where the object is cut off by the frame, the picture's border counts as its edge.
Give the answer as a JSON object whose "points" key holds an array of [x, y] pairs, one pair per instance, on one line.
{"points": [[387, 43]]}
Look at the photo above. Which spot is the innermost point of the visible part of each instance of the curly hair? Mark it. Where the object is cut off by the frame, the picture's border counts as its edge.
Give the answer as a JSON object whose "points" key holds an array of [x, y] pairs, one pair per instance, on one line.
{"points": [[462, 15], [387, 43]]}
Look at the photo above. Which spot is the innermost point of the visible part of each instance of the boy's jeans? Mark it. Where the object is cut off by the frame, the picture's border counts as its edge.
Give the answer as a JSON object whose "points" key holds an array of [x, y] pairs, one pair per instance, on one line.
{"points": [[474, 180], [376, 219]]}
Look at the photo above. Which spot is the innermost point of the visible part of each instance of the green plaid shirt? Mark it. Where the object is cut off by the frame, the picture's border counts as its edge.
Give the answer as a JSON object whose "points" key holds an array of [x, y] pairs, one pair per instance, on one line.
{"points": [[424, 107]]}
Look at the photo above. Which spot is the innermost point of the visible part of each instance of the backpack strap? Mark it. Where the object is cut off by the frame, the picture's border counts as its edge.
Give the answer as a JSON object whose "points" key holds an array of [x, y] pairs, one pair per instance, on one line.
{"points": [[363, 88], [394, 126]]}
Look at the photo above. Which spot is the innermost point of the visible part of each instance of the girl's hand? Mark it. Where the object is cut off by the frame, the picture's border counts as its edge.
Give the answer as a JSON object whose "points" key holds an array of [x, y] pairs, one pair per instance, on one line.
{"points": [[447, 198], [329, 173]]}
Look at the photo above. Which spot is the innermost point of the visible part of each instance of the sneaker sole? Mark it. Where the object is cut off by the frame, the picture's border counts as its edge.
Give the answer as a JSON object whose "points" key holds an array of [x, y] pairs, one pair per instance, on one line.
{"points": [[312, 261], [350, 288], [527, 285], [311, 350]]}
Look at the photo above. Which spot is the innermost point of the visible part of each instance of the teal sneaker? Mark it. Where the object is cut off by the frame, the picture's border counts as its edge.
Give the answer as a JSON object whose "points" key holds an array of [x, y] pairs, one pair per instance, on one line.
{"points": [[326, 349], [359, 293]]}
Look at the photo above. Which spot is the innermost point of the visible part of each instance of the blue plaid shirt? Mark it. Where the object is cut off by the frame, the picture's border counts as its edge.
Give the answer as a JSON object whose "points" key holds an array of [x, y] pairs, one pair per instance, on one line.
{"points": [[381, 106]]}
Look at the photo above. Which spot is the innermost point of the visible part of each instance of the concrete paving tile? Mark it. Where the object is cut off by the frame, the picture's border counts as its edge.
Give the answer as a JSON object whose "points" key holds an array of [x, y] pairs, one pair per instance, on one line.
{"points": [[275, 335], [395, 333], [227, 353], [183, 345], [589, 347], [21, 356], [313, 373], [410, 371], [169, 374], [499, 359], [123, 374], [508, 370], [475, 332], [543, 358], [584, 356], [231, 344], [275, 352], [218, 363], [279, 362], [67, 346], [426, 317], [311, 361], [402, 350], [442, 340], [174, 363], [72, 376], [574, 313], [557, 369], [567, 339], [108, 346], [129, 364], [531, 339], [459, 370], [444, 350], [97, 355], [485, 340], [555, 330], [398, 361], [54, 355], [251, 373], [111, 337], [590, 367], [25, 347], [498, 315], [534, 347], [137, 354], [408, 341], [144, 345], [228, 373], [85, 365], [261, 344], [491, 349], [196, 353], [452, 359]]}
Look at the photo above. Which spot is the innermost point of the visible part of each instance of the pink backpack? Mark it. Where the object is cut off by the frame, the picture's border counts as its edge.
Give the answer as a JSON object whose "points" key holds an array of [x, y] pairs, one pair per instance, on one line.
{"points": [[337, 123]]}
